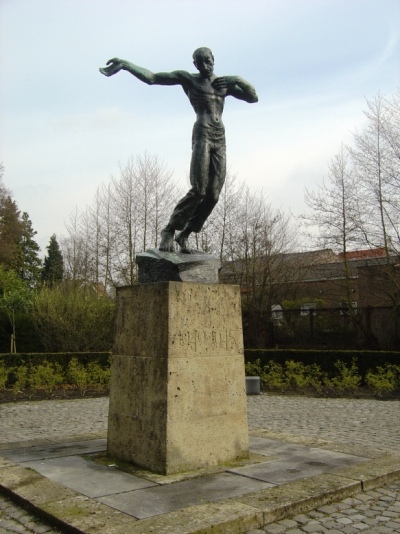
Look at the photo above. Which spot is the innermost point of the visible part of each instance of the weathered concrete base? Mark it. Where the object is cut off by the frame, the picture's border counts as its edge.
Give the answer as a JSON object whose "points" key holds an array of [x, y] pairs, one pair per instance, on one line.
{"points": [[178, 399]]}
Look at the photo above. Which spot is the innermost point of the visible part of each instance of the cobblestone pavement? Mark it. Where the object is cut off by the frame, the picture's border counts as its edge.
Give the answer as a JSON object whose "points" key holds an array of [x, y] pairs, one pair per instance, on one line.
{"points": [[371, 512], [361, 422], [53, 419], [368, 423], [14, 519]]}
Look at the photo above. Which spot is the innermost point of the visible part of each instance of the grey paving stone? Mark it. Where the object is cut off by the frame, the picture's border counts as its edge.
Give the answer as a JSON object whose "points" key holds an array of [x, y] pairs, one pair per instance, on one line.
{"points": [[299, 464], [344, 520], [315, 514], [393, 525], [327, 509], [270, 447], [301, 518], [55, 451], [167, 498], [313, 527], [329, 523], [87, 477], [274, 528], [288, 523]]}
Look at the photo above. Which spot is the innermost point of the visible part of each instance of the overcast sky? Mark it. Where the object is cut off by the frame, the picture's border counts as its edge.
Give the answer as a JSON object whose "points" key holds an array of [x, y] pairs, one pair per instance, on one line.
{"points": [[65, 128]]}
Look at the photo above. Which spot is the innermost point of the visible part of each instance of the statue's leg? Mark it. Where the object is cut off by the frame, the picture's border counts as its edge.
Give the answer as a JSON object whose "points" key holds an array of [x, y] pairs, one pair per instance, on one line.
{"points": [[217, 173], [199, 173]]}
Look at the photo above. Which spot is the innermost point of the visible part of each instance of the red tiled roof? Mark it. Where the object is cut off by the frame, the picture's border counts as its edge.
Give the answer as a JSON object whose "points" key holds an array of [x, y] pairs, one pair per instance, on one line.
{"points": [[363, 254]]}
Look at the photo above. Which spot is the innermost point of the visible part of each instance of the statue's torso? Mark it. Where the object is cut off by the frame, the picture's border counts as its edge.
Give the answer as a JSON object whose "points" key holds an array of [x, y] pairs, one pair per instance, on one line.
{"points": [[206, 100]]}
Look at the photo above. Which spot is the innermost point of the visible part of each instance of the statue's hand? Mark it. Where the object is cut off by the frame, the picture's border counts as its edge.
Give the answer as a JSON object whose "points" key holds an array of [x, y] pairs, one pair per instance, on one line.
{"points": [[223, 82], [115, 65]]}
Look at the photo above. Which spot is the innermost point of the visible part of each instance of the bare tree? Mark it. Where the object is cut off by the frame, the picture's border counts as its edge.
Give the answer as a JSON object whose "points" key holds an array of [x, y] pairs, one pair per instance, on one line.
{"points": [[358, 204], [336, 212], [75, 247], [256, 247], [124, 218], [372, 164], [377, 167]]}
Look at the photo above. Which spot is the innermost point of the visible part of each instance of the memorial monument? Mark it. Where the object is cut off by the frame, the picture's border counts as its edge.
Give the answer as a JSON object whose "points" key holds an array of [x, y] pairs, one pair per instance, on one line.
{"points": [[177, 398]]}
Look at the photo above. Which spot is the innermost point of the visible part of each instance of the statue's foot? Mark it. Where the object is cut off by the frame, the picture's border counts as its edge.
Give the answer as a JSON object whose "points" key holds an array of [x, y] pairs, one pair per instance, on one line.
{"points": [[183, 242], [167, 240]]}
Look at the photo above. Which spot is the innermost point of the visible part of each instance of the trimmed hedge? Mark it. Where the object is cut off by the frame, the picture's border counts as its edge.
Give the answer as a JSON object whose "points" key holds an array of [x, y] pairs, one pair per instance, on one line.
{"points": [[326, 359], [62, 358]]}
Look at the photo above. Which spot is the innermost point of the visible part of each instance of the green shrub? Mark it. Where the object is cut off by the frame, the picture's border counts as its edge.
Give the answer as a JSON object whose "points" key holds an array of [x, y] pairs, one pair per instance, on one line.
{"points": [[326, 359], [384, 380], [293, 375], [296, 375], [98, 376], [3, 375], [21, 377], [316, 377], [273, 376], [253, 368], [77, 375], [46, 376], [347, 380]]}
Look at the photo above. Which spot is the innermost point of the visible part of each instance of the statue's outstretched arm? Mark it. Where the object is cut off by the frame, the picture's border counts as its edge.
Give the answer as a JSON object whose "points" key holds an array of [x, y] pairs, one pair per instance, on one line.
{"points": [[237, 87], [144, 75]]}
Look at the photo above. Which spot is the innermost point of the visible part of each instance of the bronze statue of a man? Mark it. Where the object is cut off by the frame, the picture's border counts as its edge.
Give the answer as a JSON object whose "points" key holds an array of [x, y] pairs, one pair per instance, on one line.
{"points": [[206, 93]]}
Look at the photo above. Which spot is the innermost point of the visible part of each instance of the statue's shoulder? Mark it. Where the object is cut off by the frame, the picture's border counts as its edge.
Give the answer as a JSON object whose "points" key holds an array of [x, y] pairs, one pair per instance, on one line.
{"points": [[183, 75]]}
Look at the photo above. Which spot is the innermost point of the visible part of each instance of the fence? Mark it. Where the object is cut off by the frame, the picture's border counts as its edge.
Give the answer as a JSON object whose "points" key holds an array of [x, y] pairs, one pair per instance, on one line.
{"points": [[336, 328]]}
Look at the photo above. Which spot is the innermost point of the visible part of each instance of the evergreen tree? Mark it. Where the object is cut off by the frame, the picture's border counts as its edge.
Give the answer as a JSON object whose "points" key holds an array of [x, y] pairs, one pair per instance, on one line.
{"points": [[4, 192], [11, 230], [53, 267], [29, 265], [18, 249]]}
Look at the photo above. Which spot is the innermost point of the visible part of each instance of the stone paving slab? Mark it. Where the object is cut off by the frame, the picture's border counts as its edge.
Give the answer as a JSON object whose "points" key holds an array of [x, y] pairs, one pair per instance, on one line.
{"points": [[86, 477], [287, 470], [27, 454], [163, 499]]}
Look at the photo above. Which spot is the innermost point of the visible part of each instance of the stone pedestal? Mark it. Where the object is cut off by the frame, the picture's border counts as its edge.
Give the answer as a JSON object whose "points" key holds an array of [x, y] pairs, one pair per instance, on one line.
{"points": [[178, 399]]}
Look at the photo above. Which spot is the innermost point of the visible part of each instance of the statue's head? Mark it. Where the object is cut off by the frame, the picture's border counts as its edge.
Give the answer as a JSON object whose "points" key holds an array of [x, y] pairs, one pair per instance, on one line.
{"points": [[203, 60]]}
